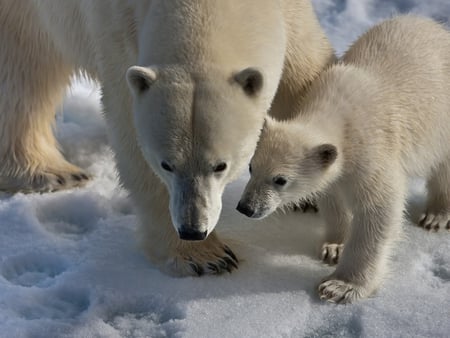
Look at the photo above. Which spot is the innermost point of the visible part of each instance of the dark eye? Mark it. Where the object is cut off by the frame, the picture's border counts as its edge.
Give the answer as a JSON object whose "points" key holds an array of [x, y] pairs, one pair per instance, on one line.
{"points": [[279, 180], [220, 167], [250, 168], [166, 167]]}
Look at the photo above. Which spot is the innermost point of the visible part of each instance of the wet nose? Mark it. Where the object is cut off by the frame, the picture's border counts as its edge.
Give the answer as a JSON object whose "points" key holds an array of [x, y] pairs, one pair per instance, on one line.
{"points": [[245, 209], [189, 234]]}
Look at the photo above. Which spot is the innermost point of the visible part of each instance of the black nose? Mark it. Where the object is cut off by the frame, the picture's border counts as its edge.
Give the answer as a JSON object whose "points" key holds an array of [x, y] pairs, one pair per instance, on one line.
{"points": [[189, 234], [245, 209]]}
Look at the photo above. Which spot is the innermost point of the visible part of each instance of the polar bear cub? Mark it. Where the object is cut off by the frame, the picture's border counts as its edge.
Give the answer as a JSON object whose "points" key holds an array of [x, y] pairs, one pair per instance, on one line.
{"points": [[379, 115]]}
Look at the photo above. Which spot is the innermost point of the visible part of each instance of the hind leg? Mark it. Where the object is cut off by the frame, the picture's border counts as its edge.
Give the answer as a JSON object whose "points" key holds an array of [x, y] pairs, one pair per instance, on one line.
{"points": [[437, 214], [33, 77]]}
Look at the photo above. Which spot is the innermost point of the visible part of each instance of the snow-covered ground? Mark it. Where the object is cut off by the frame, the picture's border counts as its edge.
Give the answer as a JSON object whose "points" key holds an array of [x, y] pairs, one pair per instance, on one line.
{"points": [[70, 266]]}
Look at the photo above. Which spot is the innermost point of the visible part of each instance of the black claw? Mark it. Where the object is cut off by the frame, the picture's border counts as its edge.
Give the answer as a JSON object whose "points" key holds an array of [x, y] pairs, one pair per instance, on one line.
{"points": [[336, 259], [222, 264], [230, 262], [61, 180], [196, 268], [229, 269], [231, 254], [214, 268], [421, 223], [76, 177], [448, 225], [84, 177], [325, 257]]}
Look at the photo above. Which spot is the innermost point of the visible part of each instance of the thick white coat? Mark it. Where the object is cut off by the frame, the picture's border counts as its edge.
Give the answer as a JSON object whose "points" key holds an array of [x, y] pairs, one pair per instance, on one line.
{"points": [[369, 122], [195, 115]]}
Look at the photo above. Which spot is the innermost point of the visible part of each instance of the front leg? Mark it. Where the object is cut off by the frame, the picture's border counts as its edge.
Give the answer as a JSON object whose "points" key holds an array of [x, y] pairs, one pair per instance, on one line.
{"points": [[337, 218], [378, 207]]}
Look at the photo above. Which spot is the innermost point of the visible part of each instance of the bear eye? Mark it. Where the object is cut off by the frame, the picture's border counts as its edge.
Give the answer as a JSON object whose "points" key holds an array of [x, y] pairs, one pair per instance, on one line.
{"points": [[279, 180], [166, 166], [220, 167]]}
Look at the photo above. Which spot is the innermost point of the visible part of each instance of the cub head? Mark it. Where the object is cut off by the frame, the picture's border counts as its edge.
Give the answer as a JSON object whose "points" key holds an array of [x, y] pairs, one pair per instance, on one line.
{"points": [[197, 131], [291, 162]]}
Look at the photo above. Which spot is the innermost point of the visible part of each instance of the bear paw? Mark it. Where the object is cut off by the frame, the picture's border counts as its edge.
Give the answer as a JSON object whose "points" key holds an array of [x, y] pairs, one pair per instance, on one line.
{"points": [[331, 252], [208, 257], [45, 181], [435, 221], [338, 291]]}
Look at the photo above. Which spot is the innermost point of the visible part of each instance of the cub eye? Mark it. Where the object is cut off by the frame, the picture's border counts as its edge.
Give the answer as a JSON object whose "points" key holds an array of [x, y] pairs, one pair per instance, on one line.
{"points": [[220, 167], [279, 180], [250, 168], [166, 166]]}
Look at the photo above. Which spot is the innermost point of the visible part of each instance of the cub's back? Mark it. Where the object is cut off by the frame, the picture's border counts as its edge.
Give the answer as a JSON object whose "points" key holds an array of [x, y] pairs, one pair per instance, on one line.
{"points": [[403, 43], [410, 56]]}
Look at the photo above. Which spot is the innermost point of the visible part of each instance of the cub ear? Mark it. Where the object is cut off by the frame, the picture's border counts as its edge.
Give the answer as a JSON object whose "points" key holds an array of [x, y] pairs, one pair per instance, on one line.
{"points": [[140, 79], [324, 155], [251, 80]]}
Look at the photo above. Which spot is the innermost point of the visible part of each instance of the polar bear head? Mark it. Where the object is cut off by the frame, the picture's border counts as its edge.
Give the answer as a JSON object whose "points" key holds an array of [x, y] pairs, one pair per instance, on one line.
{"points": [[291, 162], [197, 131]]}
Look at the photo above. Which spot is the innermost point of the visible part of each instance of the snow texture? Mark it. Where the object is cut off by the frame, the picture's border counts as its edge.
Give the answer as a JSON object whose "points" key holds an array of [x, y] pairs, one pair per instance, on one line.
{"points": [[70, 265]]}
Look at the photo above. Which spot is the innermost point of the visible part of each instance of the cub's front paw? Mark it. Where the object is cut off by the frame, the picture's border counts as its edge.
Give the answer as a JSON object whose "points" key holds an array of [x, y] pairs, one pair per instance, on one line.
{"points": [[331, 252], [434, 221], [208, 257], [338, 291]]}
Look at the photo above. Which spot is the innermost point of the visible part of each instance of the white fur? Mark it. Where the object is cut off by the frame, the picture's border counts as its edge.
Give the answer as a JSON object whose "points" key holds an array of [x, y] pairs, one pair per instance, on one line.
{"points": [[189, 106], [385, 107]]}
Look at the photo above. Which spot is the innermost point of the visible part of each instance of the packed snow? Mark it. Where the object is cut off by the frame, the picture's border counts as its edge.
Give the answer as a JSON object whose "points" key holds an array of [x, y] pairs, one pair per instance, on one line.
{"points": [[70, 265]]}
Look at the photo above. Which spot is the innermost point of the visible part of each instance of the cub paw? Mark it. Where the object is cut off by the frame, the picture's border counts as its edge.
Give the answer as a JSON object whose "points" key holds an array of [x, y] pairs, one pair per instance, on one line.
{"points": [[209, 257], [435, 221], [338, 291], [331, 252]]}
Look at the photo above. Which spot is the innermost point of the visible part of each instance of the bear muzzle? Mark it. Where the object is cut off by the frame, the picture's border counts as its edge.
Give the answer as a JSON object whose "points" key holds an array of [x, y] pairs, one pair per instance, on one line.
{"points": [[191, 234], [245, 209]]}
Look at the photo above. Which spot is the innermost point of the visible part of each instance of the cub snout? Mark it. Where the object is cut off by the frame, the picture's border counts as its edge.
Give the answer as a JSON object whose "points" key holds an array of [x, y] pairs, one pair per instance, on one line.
{"points": [[245, 209]]}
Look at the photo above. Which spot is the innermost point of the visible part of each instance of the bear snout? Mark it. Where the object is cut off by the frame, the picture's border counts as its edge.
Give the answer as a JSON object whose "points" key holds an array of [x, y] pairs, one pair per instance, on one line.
{"points": [[190, 234], [245, 209]]}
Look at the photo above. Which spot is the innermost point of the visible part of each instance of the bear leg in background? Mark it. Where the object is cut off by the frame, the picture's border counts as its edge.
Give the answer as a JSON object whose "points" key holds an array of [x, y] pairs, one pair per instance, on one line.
{"points": [[308, 52], [375, 227], [337, 218], [437, 214], [33, 82]]}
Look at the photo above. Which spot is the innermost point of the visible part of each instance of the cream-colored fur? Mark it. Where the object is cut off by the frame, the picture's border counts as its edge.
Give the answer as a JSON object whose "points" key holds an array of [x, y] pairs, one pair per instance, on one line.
{"points": [[202, 75], [367, 123]]}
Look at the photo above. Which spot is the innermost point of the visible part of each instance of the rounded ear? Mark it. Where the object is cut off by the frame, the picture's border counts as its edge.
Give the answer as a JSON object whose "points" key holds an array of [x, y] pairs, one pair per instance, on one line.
{"points": [[140, 79], [325, 155], [251, 80]]}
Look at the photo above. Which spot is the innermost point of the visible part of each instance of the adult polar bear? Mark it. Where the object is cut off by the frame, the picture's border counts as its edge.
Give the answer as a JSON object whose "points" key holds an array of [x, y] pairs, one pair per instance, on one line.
{"points": [[208, 71]]}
